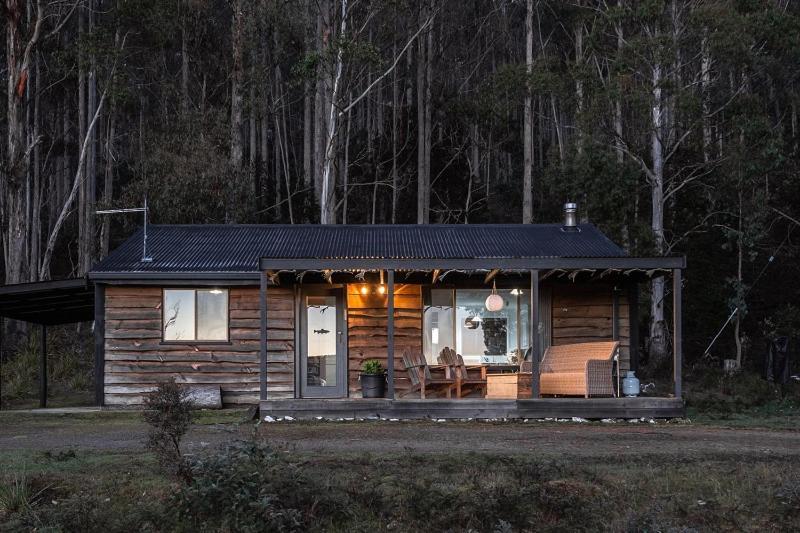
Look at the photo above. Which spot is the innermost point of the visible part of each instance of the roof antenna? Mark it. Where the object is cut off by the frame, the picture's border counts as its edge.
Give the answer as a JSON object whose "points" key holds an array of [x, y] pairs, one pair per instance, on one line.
{"points": [[145, 257]]}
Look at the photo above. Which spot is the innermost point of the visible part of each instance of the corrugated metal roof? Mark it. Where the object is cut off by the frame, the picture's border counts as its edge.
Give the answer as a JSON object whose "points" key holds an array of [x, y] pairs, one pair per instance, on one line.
{"points": [[237, 248]]}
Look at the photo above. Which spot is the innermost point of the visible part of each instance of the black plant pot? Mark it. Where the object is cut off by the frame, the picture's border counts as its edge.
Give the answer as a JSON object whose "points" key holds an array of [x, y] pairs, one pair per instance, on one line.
{"points": [[373, 385]]}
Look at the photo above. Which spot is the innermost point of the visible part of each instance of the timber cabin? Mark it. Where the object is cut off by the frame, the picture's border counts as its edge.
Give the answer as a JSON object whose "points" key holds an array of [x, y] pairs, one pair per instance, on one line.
{"points": [[285, 315]]}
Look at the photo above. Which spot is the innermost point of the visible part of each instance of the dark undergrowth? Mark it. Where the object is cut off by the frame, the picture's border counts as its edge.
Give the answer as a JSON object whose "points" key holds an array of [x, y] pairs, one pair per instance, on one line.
{"points": [[740, 399], [70, 371], [252, 487]]}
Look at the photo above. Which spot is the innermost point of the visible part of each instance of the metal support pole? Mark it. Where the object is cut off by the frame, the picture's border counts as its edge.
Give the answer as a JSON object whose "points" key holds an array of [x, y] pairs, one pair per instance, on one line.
{"points": [[390, 333], [633, 317], [43, 369], [533, 331], [262, 375], [677, 319]]}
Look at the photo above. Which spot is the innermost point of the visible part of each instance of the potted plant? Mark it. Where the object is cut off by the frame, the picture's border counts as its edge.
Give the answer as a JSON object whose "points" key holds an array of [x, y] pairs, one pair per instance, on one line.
{"points": [[373, 379]]}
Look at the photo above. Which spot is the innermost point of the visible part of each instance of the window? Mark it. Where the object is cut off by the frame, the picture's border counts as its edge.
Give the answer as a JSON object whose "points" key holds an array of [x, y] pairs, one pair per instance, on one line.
{"points": [[195, 315], [458, 318]]}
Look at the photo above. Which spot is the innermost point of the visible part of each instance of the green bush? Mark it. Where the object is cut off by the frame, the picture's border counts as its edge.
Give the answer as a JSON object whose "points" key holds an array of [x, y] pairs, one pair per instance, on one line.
{"points": [[250, 487], [372, 367], [169, 413]]}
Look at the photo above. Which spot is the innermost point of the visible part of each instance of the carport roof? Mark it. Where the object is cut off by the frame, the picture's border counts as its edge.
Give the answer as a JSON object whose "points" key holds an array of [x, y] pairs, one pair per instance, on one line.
{"points": [[48, 302]]}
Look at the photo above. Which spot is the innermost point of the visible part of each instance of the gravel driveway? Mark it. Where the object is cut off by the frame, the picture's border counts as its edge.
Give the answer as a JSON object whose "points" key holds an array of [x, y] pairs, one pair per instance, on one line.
{"points": [[110, 431]]}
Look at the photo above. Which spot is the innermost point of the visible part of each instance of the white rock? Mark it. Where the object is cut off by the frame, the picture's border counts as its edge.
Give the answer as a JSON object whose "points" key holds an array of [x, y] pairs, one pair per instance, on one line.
{"points": [[634, 420], [394, 420], [440, 420], [269, 419], [579, 419], [288, 418], [608, 421]]}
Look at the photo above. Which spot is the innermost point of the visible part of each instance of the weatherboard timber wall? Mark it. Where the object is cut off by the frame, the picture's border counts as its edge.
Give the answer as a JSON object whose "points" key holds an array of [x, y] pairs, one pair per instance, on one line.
{"points": [[367, 337], [136, 359], [583, 312]]}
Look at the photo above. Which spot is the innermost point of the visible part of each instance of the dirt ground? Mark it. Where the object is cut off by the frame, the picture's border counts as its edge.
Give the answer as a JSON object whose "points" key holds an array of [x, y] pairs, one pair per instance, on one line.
{"points": [[123, 431]]}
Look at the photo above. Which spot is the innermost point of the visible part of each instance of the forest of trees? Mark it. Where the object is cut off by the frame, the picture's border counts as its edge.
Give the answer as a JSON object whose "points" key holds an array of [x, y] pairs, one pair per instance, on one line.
{"points": [[673, 124]]}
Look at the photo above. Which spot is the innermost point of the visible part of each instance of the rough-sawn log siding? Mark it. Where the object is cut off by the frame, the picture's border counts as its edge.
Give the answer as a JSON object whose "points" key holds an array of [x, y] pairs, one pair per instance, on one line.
{"points": [[584, 313], [136, 359], [367, 335]]}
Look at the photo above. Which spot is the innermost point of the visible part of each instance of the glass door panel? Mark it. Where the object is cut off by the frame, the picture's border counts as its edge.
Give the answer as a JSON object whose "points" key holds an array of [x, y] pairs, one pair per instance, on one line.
{"points": [[323, 360]]}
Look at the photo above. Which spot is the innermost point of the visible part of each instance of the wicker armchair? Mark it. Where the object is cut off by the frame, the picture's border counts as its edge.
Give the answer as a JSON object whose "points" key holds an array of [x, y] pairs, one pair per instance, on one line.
{"points": [[583, 369]]}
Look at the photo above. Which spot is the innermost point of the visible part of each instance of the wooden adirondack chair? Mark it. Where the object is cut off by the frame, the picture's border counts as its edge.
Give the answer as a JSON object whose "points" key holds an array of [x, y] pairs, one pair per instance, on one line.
{"points": [[428, 378], [467, 377]]}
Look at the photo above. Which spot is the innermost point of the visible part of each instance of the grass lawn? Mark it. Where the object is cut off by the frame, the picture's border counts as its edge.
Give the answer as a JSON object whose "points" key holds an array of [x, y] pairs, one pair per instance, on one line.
{"points": [[399, 477]]}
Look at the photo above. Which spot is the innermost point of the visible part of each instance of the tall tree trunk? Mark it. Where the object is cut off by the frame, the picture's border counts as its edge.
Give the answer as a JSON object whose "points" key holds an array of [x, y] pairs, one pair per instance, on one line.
{"points": [[82, 111], [184, 61], [527, 170], [658, 331], [327, 206], [395, 104], [323, 84], [90, 178], [425, 48], [705, 83], [237, 124], [37, 187], [18, 149], [739, 279], [579, 85]]}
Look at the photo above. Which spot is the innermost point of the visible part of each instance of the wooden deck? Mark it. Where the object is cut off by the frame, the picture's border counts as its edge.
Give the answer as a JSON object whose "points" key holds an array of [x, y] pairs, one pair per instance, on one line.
{"points": [[591, 408]]}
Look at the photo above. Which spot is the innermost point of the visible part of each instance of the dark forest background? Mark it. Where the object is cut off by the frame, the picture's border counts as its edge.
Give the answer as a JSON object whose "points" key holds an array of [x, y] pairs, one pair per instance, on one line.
{"points": [[674, 125]]}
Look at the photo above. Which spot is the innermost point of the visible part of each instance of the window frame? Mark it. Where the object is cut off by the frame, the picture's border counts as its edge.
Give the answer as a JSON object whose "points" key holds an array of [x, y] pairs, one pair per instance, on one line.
{"points": [[226, 340], [504, 284]]}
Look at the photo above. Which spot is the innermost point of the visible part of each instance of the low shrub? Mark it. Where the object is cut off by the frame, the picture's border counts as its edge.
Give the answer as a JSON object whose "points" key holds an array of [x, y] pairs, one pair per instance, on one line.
{"points": [[249, 487], [19, 495], [169, 413]]}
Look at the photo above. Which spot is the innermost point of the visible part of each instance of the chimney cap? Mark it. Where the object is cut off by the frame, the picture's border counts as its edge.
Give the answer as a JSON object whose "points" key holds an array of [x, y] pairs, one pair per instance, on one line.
{"points": [[570, 217]]}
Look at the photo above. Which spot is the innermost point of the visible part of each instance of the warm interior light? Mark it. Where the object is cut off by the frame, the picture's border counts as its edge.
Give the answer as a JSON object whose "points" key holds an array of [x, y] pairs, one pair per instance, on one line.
{"points": [[215, 291], [381, 289], [364, 289], [435, 336]]}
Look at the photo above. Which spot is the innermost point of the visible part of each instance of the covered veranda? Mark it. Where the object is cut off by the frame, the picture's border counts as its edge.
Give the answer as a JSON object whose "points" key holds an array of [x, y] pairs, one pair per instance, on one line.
{"points": [[534, 270], [45, 304]]}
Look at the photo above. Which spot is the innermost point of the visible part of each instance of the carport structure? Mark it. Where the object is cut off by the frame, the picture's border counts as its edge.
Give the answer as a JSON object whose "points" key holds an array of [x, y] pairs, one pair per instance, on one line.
{"points": [[46, 303]]}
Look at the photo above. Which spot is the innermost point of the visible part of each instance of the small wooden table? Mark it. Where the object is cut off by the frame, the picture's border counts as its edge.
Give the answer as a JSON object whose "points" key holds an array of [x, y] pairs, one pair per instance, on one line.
{"points": [[508, 386]]}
